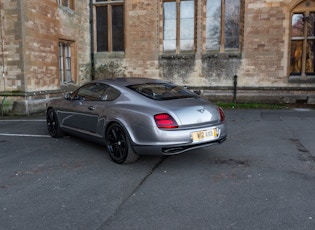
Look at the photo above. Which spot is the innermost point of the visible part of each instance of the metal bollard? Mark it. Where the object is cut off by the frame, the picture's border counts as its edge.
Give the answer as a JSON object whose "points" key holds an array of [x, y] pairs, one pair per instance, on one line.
{"points": [[234, 88]]}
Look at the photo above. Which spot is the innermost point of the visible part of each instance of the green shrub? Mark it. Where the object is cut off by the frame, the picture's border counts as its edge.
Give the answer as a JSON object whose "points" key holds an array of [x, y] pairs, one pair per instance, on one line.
{"points": [[105, 71]]}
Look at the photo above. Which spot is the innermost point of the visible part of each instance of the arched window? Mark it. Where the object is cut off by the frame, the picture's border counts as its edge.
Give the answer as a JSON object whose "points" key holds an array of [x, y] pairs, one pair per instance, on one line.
{"points": [[302, 57]]}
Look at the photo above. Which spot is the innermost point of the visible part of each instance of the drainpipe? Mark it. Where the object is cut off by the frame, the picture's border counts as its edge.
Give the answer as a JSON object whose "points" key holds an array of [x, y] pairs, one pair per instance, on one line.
{"points": [[2, 50], [2, 105], [3, 66], [92, 39]]}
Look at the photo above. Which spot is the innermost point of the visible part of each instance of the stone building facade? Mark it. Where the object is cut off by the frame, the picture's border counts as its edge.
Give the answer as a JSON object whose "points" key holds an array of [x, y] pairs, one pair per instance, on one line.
{"points": [[266, 48], [40, 41]]}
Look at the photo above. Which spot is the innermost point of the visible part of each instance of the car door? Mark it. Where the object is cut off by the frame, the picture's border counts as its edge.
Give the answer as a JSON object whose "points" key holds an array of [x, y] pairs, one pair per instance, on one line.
{"points": [[84, 108]]}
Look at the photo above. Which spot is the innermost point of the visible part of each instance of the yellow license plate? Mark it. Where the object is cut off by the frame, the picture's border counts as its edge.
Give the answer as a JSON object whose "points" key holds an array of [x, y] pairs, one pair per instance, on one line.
{"points": [[205, 135]]}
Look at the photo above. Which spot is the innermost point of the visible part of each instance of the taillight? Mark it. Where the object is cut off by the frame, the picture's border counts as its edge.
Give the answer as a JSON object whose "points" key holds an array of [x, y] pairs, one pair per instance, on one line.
{"points": [[222, 116], [165, 121]]}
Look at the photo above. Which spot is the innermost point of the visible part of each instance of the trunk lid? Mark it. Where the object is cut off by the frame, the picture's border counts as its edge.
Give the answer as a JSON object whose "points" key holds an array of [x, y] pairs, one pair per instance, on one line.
{"points": [[191, 111]]}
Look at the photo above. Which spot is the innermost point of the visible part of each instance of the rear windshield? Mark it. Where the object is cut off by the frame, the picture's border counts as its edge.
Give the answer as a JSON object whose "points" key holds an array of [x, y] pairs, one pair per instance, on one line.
{"points": [[162, 91]]}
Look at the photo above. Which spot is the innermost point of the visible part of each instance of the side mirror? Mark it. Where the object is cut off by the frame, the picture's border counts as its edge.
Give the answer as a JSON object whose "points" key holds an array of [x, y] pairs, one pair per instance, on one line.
{"points": [[68, 96], [198, 92]]}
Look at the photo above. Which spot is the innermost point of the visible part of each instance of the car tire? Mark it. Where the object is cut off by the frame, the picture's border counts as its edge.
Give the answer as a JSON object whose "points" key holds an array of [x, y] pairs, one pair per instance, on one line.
{"points": [[53, 124], [118, 145]]}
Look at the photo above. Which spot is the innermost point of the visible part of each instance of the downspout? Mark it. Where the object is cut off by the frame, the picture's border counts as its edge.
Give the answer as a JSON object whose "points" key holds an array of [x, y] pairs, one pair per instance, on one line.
{"points": [[2, 52], [2, 47], [23, 61], [92, 39]]}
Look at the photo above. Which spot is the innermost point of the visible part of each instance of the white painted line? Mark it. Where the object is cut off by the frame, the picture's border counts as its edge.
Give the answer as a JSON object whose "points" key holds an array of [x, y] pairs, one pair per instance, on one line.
{"points": [[22, 135], [40, 120]]}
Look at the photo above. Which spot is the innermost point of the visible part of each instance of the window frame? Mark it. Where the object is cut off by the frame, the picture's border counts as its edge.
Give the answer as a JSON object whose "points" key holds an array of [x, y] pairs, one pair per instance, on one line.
{"points": [[178, 49], [104, 92], [66, 61], [109, 4], [222, 45], [70, 4], [305, 38]]}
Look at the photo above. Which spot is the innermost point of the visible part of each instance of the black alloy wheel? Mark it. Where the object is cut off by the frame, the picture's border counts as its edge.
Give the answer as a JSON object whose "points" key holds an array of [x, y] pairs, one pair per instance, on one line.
{"points": [[118, 145], [53, 123]]}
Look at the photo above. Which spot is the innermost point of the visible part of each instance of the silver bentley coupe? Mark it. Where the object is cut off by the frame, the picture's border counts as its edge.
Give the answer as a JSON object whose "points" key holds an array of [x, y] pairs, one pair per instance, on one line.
{"points": [[137, 116]]}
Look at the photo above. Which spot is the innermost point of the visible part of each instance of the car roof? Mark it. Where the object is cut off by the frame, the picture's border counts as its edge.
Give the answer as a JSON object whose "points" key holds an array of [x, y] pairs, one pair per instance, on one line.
{"points": [[130, 81]]}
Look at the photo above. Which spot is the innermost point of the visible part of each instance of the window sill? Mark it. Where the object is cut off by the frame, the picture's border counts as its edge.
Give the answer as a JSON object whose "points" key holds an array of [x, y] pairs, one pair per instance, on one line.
{"points": [[169, 56], [301, 80], [210, 55], [67, 9], [118, 54]]}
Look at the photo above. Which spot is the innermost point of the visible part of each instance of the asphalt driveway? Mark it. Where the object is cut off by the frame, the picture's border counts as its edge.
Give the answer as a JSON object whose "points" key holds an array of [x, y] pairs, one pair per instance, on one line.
{"points": [[262, 177]]}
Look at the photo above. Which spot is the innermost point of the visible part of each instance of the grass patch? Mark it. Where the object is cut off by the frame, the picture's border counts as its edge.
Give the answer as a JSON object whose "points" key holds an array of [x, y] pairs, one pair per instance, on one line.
{"points": [[250, 106]]}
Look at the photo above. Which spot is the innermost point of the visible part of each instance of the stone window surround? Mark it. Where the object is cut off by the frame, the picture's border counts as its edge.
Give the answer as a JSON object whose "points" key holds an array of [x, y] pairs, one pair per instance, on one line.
{"points": [[298, 7], [200, 9], [67, 4], [105, 3], [67, 61]]}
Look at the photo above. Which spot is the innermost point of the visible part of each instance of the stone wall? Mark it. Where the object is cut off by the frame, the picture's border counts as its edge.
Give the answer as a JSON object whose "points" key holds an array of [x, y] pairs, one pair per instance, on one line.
{"points": [[261, 63], [31, 31], [265, 44], [12, 67], [142, 48]]}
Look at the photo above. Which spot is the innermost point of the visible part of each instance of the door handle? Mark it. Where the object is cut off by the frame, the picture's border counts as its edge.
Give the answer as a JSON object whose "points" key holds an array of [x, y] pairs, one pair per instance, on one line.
{"points": [[91, 107]]}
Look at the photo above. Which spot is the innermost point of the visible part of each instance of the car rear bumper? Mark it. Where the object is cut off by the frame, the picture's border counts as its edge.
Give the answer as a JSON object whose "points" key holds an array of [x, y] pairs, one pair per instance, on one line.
{"points": [[174, 149]]}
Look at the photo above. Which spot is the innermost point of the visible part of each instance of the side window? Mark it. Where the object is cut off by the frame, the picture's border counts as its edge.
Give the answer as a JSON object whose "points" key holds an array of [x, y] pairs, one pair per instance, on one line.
{"points": [[96, 92], [110, 94], [91, 92]]}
